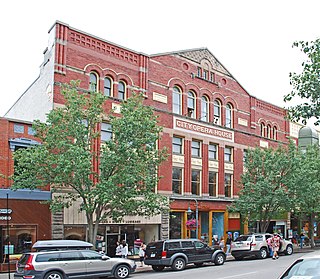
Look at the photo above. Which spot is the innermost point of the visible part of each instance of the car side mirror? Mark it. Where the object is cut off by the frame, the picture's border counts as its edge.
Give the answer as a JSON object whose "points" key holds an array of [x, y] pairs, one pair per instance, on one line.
{"points": [[104, 258]]}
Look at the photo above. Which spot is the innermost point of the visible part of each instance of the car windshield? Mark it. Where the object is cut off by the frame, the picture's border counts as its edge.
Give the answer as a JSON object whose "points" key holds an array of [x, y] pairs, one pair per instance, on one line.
{"points": [[244, 238], [303, 268]]}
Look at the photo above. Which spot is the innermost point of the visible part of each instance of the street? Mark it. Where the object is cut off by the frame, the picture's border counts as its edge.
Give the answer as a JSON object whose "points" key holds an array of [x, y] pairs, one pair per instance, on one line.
{"points": [[245, 269]]}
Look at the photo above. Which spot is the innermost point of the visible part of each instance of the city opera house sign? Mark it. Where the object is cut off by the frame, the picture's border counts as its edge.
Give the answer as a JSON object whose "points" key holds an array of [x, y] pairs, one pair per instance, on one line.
{"points": [[181, 124]]}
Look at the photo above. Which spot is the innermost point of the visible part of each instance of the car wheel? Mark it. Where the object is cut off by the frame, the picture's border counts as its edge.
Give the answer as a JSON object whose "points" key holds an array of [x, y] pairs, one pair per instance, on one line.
{"points": [[158, 267], [263, 253], [219, 259], [198, 264], [289, 250], [122, 271], [53, 275], [178, 264]]}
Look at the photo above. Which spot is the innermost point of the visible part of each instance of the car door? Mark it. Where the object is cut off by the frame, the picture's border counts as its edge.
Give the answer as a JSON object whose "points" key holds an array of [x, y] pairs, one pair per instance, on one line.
{"points": [[95, 264], [203, 252], [72, 264], [188, 248]]}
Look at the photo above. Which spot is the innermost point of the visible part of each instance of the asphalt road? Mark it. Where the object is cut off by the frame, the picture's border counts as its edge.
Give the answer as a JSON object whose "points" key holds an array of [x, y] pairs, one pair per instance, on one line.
{"points": [[245, 269]]}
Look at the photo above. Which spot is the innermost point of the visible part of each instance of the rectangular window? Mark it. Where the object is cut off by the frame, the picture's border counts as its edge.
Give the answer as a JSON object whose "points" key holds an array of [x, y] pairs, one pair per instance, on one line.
{"points": [[177, 180], [106, 132], [227, 185], [195, 182], [199, 72], [196, 148], [213, 151], [228, 154], [205, 74], [31, 131], [18, 128], [213, 183], [212, 77], [177, 145]]}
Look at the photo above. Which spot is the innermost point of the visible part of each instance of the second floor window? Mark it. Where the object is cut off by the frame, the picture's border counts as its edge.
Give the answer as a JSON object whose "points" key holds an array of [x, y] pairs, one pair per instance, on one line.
{"points": [[196, 148], [121, 90], [176, 100], [177, 180], [177, 145], [195, 182], [262, 130], [213, 149], [228, 185], [228, 154], [213, 183], [93, 85], [106, 132], [274, 132]]}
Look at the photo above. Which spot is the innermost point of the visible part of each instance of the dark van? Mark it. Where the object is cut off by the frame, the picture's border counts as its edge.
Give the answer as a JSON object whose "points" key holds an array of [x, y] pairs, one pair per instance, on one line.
{"points": [[177, 253]]}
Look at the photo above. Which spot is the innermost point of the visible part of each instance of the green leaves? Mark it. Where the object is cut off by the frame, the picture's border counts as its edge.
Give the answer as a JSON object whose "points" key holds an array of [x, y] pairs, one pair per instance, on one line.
{"points": [[114, 180], [264, 191], [306, 85]]}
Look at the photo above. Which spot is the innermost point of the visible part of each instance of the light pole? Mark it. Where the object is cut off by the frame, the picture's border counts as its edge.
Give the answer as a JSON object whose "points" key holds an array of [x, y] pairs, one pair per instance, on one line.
{"points": [[189, 211]]}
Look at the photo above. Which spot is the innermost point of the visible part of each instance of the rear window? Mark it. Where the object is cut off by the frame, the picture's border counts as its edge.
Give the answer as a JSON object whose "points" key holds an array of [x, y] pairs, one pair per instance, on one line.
{"points": [[48, 257], [244, 238], [155, 245], [173, 245], [24, 259]]}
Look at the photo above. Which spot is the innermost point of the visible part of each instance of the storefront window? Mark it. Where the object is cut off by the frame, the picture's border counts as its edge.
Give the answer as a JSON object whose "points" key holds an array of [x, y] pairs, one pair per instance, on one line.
{"points": [[19, 240], [218, 224], [75, 232], [175, 225]]}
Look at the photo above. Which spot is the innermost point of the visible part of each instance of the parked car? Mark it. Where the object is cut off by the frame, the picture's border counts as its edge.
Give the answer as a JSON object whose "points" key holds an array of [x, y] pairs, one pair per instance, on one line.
{"points": [[255, 245], [64, 261], [177, 253], [305, 267]]}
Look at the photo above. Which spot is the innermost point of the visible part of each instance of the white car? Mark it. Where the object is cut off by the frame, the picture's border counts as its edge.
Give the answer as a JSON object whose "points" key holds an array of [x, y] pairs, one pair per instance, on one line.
{"points": [[305, 267]]}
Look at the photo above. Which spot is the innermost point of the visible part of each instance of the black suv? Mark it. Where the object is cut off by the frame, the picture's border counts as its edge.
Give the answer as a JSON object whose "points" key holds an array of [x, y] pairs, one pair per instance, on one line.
{"points": [[177, 253]]}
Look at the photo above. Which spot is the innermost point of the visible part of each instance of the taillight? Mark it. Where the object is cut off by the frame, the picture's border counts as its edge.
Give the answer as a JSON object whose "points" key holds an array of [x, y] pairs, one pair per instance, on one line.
{"points": [[29, 265], [164, 254], [253, 244]]}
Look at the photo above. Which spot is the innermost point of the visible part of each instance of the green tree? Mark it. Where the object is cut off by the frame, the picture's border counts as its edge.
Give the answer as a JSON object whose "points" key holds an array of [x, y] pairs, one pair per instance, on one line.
{"points": [[306, 189], [306, 86], [117, 179], [263, 191]]}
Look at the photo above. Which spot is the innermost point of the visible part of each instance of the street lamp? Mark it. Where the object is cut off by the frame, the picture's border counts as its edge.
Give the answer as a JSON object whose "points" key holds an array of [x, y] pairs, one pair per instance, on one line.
{"points": [[189, 211]]}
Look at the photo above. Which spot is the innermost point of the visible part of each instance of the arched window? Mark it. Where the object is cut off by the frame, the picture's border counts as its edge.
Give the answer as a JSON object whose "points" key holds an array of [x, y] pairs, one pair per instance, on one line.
{"points": [[269, 131], [204, 109], [93, 84], [121, 90], [108, 86], [176, 100], [191, 104], [217, 112], [262, 130], [229, 116], [275, 132]]}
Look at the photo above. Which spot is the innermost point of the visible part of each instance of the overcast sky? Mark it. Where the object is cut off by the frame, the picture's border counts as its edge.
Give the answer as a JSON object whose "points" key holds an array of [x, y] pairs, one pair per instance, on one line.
{"points": [[252, 39]]}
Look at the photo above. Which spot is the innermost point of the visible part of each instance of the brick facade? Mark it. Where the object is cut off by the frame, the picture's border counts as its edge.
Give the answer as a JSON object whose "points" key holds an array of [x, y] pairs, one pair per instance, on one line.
{"points": [[74, 55]]}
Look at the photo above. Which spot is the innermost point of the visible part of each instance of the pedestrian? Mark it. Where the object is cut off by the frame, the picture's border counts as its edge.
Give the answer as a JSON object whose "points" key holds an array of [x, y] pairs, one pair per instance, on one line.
{"points": [[228, 243], [221, 243], [275, 244], [118, 250], [142, 252], [270, 246], [215, 241], [125, 250], [302, 236]]}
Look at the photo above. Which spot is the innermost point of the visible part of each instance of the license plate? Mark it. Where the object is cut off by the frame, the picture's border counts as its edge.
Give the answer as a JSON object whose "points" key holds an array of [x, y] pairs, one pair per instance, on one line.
{"points": [[152, 255]]}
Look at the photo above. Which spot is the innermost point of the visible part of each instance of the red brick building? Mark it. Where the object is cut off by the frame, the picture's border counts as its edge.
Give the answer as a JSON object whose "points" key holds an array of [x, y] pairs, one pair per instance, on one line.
{"points": [[209, 122]]}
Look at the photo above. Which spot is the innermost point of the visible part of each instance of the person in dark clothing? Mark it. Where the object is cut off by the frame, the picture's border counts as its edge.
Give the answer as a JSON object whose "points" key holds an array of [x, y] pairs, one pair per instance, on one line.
{"points": [[228, 244]]}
